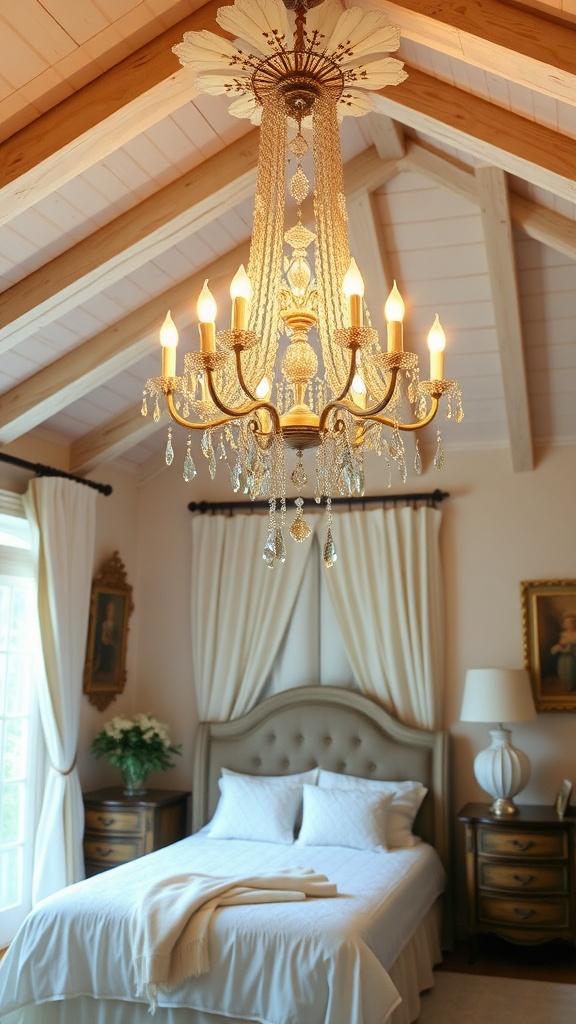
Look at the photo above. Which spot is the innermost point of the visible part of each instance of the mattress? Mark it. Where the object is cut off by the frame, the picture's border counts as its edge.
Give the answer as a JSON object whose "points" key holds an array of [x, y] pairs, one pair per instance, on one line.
{"points": [[323, 961]]}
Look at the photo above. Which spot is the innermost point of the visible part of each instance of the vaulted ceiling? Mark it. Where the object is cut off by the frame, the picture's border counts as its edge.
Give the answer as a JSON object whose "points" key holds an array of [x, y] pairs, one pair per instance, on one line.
{"points": [[121, 190]]}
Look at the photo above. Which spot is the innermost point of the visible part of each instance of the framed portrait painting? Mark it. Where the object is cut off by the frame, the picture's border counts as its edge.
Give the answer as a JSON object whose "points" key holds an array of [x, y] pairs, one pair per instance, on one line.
{"points": [[549, 635], [110, 609]]}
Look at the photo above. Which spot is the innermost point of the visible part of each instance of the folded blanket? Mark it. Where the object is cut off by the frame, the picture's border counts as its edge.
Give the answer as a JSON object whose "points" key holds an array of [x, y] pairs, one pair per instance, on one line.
{"points": [[169, 925]]}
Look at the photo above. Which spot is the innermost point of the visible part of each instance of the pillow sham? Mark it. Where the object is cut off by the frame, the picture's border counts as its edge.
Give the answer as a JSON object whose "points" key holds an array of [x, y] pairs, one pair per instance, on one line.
{"points": [[251, 808], [406, 800], [344, 817]]}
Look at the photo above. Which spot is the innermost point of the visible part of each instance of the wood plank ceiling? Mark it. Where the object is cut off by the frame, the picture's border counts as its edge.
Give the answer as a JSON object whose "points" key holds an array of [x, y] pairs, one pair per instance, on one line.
{"points": [[121, 191]]}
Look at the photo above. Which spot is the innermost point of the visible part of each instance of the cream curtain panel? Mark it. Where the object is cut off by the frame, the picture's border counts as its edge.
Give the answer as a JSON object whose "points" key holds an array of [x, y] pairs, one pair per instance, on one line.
{"points": [[62, 515], [240, 611], [386, 590]]}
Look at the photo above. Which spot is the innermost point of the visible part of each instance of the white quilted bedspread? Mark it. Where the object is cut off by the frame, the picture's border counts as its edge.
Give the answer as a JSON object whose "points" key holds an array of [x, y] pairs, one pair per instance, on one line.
{"points": [[322, 961]]}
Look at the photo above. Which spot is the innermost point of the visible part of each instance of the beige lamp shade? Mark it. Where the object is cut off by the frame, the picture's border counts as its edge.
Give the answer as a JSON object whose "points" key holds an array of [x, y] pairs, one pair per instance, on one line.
{"points": [[499, 695]]}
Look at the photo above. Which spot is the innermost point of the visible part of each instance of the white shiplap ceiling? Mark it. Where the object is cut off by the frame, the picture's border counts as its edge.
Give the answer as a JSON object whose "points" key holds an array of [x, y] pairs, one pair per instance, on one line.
{"points": [[120, 190]]}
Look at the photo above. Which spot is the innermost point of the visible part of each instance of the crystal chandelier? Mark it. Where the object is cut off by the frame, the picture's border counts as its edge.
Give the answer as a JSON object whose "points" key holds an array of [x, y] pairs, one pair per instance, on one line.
{"points": [[296, 68]]}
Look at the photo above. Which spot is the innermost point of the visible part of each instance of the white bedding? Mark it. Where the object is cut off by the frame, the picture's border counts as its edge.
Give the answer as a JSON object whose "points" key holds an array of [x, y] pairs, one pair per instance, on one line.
{"points": [[321, 961]]}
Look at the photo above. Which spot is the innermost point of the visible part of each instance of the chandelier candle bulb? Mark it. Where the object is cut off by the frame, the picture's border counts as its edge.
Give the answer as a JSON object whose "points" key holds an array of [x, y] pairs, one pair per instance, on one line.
{"points": [[206, 310], [436, 344], [353, 288], [168, 341], [240, 293], [394, 313]]}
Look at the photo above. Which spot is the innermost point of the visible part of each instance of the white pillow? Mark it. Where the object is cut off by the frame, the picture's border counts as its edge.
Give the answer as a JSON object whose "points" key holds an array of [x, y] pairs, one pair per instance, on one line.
{"points": [[344, 817], [251, 808], [407, 798]]}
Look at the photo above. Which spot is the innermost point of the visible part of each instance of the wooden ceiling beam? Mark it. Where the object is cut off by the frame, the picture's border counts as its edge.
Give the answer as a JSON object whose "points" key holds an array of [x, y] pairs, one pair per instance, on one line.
{"points": [[517, 45], [125, 244], [108, 353], [497, 224], [98, 119], [488, 133], [111, 440], [546, 226]]}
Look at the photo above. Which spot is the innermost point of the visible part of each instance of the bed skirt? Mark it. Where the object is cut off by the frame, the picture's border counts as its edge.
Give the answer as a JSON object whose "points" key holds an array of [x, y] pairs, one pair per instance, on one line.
{"points": [[412, 973]]}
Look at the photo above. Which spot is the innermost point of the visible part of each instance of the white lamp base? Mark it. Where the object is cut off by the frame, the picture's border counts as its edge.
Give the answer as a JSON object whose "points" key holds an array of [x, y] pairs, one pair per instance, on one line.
{"points": [[502, 771]]}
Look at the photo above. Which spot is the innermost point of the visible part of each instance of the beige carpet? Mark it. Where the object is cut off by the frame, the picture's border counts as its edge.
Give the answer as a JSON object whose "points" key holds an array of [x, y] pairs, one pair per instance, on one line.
{"points": [[476, 999]]}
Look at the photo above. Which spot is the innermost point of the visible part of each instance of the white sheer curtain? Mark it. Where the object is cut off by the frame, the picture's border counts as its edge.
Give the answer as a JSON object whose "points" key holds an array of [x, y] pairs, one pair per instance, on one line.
{"points": [[386, 589], [240, 610], [62, 515]]}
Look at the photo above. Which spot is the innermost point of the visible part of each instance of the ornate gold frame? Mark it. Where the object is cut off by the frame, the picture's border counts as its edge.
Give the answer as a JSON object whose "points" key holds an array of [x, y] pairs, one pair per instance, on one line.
{"points": [[110, 608], [549, 654]]}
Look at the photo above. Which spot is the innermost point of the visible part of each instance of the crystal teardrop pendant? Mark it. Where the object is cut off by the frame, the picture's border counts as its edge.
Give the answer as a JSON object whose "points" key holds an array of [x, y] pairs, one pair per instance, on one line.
{"points": [[330, 553], [269, 553], [439, 454], [417, 459], [189, 469], [169, 454], [298, 475]]}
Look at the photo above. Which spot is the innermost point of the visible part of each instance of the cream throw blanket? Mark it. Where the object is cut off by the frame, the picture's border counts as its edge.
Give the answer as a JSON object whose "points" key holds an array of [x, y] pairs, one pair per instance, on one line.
{"points": [[169, 925]]}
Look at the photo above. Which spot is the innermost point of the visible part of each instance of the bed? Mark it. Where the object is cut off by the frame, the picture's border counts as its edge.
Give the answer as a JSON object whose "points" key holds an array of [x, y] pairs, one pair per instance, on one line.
{"points": [[359, 957]]}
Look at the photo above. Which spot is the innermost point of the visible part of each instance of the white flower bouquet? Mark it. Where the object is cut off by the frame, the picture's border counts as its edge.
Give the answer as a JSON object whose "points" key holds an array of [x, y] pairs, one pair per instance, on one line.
{"points": [[136, 746]]}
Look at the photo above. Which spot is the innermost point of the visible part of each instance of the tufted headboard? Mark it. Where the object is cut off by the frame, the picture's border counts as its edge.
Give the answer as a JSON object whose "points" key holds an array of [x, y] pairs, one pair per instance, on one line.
{"points": [[332, 728]]}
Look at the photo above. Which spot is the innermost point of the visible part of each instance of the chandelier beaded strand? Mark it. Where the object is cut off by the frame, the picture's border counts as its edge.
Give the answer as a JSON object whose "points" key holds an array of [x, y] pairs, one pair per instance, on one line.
{"points": [[296, 73]]}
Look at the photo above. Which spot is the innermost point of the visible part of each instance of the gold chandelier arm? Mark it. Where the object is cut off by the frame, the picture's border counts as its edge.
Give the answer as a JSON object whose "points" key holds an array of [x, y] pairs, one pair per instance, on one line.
{"points": [[351, 374], [371, 415], [242, 410], [240, 374], [205, 425], [357, 410], [390, 422]]}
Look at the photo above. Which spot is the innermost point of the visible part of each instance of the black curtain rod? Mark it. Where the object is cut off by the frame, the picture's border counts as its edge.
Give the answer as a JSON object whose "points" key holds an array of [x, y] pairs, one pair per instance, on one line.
{"points": [[431, 498], [41, 470]]}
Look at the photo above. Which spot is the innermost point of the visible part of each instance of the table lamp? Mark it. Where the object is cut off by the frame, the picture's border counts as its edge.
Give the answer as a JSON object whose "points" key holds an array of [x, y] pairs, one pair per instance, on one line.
{"points": [[499, 695]]}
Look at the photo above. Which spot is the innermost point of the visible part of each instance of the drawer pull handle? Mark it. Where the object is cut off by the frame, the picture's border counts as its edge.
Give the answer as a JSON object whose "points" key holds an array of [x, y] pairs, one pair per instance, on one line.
{"points": [[103, 853], [518, 844], [522, 914], [523, 879], [105, 821]]}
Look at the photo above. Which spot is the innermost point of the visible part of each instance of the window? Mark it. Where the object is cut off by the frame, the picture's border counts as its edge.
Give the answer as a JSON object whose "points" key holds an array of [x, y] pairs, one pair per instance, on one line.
{"points": [[19, 741]]}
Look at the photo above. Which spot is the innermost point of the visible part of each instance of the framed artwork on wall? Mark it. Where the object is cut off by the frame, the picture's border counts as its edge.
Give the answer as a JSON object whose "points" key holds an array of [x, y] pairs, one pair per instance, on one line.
{"points": [[549, 636], [110, 609]]}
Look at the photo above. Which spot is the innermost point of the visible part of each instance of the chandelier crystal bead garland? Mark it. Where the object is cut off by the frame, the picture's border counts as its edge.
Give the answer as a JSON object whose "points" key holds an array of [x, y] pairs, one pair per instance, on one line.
{"points": [[296, 75]]}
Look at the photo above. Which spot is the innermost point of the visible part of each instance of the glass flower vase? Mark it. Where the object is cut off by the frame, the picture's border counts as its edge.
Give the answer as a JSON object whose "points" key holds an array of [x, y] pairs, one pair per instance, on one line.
{"points": [[134, 780]]}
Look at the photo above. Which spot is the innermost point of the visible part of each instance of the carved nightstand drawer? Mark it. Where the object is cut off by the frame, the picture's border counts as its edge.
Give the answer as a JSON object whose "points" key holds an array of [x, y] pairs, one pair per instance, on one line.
{"points": [[123, 820], [523, 877], [108, 851], [120, 828], [524, 913], [503, 842]]}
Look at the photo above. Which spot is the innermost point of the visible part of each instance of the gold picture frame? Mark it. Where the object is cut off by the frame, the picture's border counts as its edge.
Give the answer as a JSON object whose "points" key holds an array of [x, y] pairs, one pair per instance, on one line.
{"points": [[549, 636], [110, 609]]}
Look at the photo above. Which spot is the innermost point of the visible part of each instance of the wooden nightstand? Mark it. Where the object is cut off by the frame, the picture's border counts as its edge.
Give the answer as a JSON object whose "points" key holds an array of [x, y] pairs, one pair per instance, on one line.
{"points": [[120, 828], [520, 874]]}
